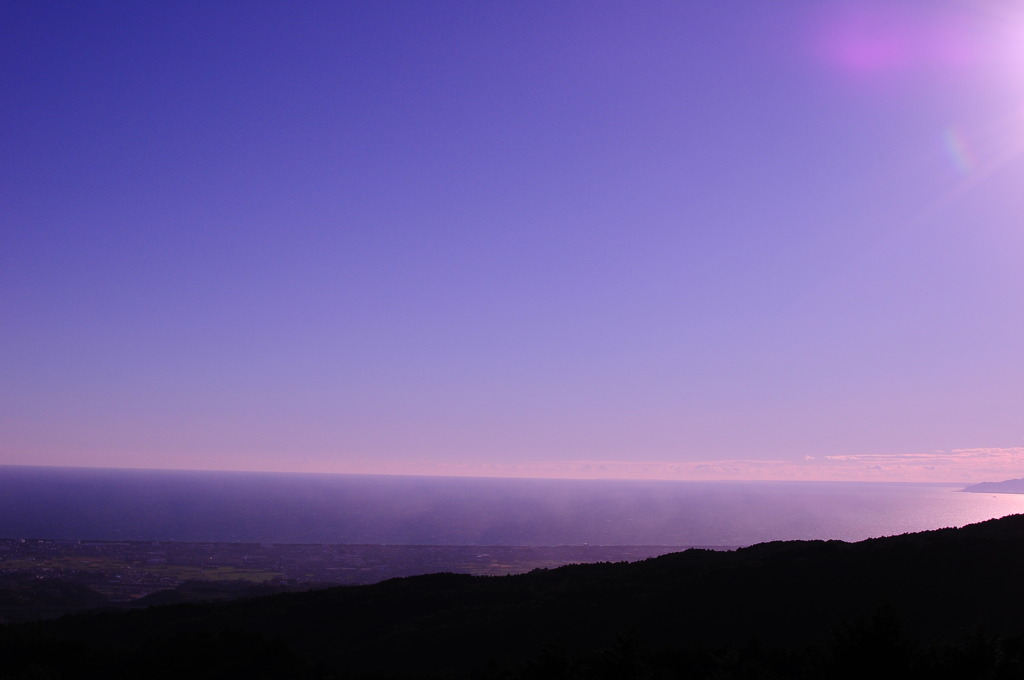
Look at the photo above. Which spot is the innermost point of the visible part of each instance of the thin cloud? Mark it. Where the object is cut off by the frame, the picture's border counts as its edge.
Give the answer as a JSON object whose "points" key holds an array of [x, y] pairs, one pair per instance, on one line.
{"points": [[955, 466]]}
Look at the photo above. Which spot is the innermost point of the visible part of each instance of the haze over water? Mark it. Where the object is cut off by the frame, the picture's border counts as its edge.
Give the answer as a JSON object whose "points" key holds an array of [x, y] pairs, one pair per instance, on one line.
{"points": [[70, 503]]}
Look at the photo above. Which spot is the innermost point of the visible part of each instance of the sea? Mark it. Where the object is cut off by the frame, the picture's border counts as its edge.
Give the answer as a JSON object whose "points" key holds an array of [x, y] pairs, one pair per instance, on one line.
{"points": [[194, 506]]}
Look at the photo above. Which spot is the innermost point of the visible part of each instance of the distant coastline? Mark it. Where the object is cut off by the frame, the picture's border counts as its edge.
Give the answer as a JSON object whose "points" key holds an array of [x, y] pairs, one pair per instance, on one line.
{"points": [[1007, 486]]}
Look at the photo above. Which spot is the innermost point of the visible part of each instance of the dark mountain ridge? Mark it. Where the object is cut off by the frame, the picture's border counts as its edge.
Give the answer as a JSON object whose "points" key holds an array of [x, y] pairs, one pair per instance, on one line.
{"points": [[803, 602]]}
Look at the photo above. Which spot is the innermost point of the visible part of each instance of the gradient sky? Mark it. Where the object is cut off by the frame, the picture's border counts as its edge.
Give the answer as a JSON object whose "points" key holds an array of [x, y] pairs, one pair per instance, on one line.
{"points": [[703, 240]]}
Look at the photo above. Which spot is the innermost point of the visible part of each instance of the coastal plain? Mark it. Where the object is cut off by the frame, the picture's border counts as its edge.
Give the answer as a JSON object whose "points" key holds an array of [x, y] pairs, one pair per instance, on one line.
{"points": [[141, 572]]}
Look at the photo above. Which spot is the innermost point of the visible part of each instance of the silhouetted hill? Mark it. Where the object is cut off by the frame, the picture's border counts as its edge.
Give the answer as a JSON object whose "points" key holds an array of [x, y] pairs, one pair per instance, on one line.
{"points": [[25, 597], [215, 591], [916, 603], [1008, 486]]}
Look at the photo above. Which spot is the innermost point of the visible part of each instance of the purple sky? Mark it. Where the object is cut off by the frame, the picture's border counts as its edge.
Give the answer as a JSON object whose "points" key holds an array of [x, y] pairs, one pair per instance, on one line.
{"points": [[640, 239]]}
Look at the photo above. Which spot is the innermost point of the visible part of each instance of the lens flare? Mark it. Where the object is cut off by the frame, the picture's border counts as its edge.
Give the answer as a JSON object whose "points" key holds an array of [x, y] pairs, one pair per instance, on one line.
{"points": [[976, 48], [958, 150]]}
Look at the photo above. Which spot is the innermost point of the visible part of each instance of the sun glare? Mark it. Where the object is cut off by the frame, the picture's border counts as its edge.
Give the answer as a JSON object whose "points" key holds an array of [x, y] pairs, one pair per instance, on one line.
{"points": [[996, 41], [1001, 39], [972, 48]]}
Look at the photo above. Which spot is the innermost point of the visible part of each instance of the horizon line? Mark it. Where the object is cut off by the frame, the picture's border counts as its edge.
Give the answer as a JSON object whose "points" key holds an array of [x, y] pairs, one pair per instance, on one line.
{"points": [[453, 475]]}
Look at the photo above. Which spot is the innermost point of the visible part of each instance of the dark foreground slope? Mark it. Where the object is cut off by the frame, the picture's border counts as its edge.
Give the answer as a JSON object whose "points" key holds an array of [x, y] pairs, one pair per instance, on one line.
{"points": [[939, 603]]}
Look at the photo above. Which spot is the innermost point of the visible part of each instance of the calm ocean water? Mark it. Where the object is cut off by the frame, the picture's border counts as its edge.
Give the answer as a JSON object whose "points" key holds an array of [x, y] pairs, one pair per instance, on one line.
{"points": [[75, 503]]}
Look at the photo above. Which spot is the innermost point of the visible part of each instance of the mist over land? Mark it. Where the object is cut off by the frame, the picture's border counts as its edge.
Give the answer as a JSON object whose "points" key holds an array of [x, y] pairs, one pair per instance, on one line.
{"points": [[150, 505], [275, 609]]}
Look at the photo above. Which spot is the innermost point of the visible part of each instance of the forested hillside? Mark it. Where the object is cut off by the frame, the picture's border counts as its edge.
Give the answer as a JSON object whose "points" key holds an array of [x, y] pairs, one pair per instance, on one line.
{"points": [[938, 603]]}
